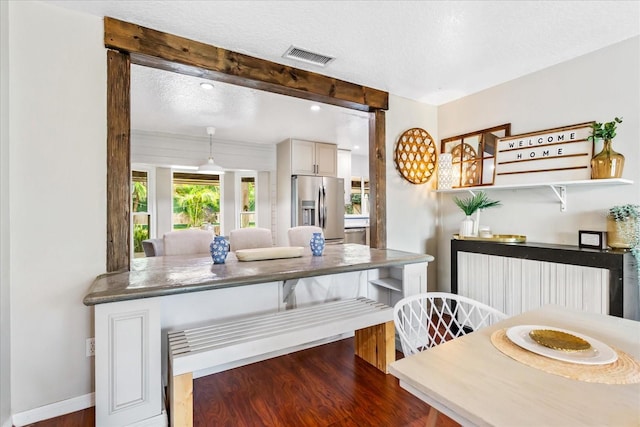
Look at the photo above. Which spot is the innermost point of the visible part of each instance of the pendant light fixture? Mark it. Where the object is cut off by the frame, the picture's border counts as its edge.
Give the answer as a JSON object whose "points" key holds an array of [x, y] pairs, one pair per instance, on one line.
{"points": [[210, 166]]}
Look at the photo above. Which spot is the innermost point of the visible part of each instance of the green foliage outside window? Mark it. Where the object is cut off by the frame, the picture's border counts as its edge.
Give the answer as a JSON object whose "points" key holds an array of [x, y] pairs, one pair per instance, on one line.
{"points": [[198, 203], [252, 197], [140, 233], [139, 197]]}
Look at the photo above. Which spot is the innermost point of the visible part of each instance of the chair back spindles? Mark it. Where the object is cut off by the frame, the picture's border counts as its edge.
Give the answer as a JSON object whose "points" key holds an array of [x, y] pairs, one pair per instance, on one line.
{"points": [[429, 319]]}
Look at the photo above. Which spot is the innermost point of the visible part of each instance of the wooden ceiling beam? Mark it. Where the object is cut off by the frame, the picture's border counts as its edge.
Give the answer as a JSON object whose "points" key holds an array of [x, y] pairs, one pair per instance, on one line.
{"points": [[174, 53]]}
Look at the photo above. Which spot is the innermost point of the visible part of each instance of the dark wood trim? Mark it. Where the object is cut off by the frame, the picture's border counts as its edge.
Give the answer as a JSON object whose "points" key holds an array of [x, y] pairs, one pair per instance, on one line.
{"points": [[546, 170], [166, 51], [118, 160], [617, 262], [546, 131], [144, 46], [377, 180], [506, 127]]}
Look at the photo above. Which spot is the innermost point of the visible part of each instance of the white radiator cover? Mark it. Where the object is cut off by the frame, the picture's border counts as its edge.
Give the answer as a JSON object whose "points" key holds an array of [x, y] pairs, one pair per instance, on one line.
{"points": [[514, 285]]}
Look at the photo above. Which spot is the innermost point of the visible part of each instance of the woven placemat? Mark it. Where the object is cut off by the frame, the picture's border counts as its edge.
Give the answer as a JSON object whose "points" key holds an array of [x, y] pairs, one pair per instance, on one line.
{"points": [[625, 370]]}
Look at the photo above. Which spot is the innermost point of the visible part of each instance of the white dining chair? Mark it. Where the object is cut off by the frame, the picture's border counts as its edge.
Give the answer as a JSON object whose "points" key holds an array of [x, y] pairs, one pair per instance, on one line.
{"points": [[250, 238], [429, 319], [301, 235], [187, 242]]}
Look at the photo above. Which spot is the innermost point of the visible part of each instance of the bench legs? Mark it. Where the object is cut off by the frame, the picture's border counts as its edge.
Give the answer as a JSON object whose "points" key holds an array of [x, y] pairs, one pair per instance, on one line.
{"points": [[376, 344], [181, 399]]}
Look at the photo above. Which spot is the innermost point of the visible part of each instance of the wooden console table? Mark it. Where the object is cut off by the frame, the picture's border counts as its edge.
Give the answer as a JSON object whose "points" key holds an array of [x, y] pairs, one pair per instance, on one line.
{"points": [[620, 295]]}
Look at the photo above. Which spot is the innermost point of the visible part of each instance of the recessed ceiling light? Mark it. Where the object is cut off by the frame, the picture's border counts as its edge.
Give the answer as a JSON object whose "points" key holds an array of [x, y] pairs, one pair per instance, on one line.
{"points": [[315, 108], [206, 85], [355, 147]]}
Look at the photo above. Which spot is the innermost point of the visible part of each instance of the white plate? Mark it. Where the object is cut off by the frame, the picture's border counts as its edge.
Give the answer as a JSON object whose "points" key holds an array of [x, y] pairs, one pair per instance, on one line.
{"points": [[598, 354]]}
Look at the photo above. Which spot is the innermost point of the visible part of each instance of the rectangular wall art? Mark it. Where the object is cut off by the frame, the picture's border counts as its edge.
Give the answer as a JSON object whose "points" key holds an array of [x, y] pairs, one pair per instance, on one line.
{"points": [[552, 155]]}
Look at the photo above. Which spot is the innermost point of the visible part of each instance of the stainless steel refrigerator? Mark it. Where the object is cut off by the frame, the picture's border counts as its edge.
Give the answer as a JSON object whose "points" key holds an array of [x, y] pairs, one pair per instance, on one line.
{"points": [[319, 201]]}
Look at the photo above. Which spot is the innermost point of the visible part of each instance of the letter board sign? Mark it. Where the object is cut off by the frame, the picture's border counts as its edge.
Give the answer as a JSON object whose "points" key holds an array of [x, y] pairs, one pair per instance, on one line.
{"points": [[552, 155]]}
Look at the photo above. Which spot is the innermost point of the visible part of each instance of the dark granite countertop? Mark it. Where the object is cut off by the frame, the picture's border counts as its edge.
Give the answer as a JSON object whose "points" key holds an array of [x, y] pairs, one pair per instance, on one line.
{"points": [[159, 276]]}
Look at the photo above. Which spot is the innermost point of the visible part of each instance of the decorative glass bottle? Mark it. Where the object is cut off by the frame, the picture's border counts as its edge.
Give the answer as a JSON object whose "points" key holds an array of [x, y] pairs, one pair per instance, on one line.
{"points": [[607, 163], [317, 244], [219, 249], [620, 234]]}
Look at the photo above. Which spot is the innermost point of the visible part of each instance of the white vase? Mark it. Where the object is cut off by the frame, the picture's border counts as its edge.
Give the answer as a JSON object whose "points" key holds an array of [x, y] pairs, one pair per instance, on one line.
{"points": [[466, 227]]}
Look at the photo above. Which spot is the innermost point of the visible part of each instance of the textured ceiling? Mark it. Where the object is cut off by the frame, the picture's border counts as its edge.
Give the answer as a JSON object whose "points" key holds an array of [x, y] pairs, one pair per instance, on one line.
{"points": [[429, 51], [173, 103]]}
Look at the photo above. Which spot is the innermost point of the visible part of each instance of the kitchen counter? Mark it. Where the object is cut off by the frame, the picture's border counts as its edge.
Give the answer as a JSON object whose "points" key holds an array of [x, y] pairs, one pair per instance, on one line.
{"points": [[161, 276], [356, 221], [133, 310]]}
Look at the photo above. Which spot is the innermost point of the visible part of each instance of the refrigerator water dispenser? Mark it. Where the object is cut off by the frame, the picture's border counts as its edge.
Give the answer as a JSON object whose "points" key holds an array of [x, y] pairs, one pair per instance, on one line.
{"points": [[308, 209]]}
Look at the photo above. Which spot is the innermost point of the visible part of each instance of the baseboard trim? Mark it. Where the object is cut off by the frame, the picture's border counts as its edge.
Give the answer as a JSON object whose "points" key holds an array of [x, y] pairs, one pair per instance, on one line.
{"points": [[54, 410]]}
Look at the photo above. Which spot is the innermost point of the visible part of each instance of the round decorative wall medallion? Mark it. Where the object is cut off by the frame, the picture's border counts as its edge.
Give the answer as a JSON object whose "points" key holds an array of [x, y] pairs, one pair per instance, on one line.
{"points": [[416, 156]]}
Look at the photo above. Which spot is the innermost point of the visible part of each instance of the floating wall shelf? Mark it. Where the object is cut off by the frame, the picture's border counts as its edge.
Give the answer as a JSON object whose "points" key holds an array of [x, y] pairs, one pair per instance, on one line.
{"points": [[558, 188]]}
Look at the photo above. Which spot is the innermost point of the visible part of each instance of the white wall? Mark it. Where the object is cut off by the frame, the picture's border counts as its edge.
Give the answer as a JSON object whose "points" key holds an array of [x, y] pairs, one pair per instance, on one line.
{"points": [[164, 201], [263, 201], [163, 149], [5, 289], [57, 146], [598, 86], [228, 197], [360, 165], [411, 209]]}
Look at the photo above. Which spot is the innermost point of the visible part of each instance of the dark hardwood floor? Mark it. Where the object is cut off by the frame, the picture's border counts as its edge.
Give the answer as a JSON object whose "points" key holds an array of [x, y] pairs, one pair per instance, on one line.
{"points": [[323, 386]]}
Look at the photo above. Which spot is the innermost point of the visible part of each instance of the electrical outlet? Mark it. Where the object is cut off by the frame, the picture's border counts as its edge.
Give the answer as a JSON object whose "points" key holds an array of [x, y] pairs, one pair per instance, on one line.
{"points": [[90, 346]]}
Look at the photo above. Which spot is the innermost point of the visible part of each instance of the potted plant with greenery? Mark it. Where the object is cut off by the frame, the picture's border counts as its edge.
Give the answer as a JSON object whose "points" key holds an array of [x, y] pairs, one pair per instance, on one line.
{"points": [[623, 229], [607, 163], [471, 205]]}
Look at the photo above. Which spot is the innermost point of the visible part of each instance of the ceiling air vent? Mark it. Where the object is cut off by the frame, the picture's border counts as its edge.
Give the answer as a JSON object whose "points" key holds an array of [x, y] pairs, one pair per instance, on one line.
{"points": [[309, 57]]}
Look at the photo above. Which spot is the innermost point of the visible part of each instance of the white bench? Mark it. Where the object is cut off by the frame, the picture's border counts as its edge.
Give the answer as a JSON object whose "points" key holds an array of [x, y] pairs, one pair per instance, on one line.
{"points": [[220, 343]]}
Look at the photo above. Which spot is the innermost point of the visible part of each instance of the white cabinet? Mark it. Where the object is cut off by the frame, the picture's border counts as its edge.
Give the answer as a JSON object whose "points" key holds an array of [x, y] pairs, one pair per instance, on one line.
{"points": [[313, 158], [514, 285], [298, 157], [389, 285], [518, 277]]}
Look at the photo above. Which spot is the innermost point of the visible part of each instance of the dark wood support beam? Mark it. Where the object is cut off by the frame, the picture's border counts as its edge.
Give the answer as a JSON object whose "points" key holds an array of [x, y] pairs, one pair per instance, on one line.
{"points": [[377, 180], [166, 51], [118, 163]]}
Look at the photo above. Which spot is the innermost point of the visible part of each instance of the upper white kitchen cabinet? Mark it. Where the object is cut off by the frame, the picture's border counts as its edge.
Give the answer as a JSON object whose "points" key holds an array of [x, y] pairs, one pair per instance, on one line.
{"points": [[313, 158]]}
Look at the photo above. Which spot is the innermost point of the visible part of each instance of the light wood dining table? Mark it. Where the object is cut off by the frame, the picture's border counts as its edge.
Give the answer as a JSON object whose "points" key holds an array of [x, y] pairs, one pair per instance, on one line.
{"points": [[474, 383]]}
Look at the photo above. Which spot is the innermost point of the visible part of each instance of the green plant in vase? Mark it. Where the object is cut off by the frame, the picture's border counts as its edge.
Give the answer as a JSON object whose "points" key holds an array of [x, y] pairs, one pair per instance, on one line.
{"points": [[623, 229], [607, 163], [471, 205]]}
